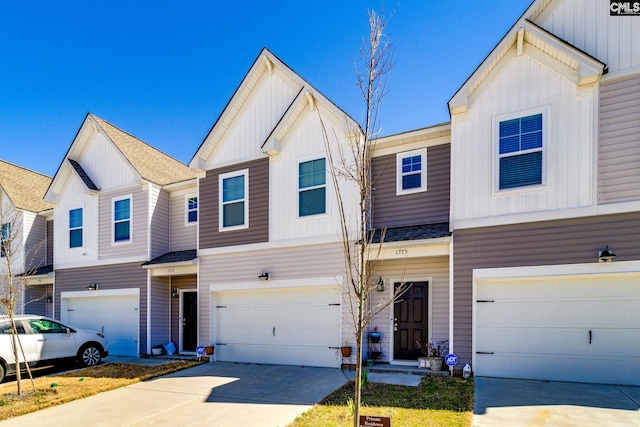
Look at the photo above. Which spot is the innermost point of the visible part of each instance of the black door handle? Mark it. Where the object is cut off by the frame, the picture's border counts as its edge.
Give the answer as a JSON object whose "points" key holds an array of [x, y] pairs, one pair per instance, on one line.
{"points": [[590, 334]]}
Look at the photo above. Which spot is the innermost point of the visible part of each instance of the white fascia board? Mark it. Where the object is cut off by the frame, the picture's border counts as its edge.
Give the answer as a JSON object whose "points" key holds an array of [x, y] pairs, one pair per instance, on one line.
{"points": [[172, 269], [410, 249]]}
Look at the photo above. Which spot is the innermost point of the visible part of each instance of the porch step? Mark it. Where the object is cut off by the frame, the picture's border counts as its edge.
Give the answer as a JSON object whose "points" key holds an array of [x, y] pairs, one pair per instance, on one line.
{"points": [[400, 369]]}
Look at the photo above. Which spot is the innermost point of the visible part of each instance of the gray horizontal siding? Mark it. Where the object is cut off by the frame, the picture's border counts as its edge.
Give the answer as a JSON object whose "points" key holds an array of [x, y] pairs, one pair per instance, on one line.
{"points": [[619, 146], [160, 309], [546, 243], [122, 276], [49, 245], [391, 210], [258, 230]]}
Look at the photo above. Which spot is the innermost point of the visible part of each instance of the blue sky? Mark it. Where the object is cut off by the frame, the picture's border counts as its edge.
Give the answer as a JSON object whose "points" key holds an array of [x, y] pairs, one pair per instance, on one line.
{"points": [[163, 71]]}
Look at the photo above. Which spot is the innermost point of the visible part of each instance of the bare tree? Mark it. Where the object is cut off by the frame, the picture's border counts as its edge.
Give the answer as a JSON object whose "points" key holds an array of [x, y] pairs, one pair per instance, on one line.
{"points": [[352, 164], [13, 273]]}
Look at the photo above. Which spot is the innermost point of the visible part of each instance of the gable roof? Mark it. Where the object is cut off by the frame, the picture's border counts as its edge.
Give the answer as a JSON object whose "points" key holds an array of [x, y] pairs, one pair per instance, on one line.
{"points": [[543, 46], [152, 164], [266, 62], [25, 188]]}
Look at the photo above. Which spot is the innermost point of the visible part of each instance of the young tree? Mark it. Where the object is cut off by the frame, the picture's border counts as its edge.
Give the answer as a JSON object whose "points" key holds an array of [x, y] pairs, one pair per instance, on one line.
{"points": [[352, 165], [12, 276]]}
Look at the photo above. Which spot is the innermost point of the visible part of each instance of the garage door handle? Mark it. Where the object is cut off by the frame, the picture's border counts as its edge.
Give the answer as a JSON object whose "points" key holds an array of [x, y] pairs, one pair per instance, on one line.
{"points": [[590, 337], [484, 352]]}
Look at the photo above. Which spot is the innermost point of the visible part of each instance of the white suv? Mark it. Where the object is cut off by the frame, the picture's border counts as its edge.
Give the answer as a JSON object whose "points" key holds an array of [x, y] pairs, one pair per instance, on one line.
{"points": [[45, 339]]}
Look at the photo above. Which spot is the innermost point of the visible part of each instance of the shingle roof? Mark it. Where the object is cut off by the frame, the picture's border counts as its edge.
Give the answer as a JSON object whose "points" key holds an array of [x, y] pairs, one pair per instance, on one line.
{"points": [[413, 232], [83, 175], [176, 256], [151, 163], [25, 188]]}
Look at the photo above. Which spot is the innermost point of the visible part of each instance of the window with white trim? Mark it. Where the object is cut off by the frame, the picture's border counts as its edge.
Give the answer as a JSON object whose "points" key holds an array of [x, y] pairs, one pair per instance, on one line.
{"points": [[411, 171], [312, 187], [75, 228], [5, 239], [122, 220], [520, 152], [191, 207], [234, 200]]}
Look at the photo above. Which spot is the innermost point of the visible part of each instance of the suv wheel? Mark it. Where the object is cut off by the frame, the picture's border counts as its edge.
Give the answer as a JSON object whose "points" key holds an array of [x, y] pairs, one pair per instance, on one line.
{"points": [[89, 355]]}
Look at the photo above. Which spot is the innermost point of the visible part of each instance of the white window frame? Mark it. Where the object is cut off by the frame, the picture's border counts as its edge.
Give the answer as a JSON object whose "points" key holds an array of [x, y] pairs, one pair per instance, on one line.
{"points": [[423, 171], [187, 210], [300, 190], [496, 149], [113, 220], [75, 228], [9, 228], [221, 178]]}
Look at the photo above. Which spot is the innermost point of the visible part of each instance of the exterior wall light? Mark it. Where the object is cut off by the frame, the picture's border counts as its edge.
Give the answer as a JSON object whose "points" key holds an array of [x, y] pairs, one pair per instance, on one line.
{"points": [[380, 284], [264, 275], [606, 255], [92, 286], [175, 293]]}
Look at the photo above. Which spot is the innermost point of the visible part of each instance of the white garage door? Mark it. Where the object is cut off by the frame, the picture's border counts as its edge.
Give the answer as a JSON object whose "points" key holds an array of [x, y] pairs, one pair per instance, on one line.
{"points": [[116, 316], [298, 326], [570, 329]]}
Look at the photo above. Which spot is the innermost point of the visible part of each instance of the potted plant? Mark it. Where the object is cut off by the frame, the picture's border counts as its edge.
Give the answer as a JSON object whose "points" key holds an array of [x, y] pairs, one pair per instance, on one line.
{"points": [[434, 350], [374, 335], [156, 350], [209, 349], [346, 349]]}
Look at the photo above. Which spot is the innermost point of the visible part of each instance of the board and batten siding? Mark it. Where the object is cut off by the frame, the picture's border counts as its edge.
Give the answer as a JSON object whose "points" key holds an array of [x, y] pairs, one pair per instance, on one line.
{"points": [[434, 269], [159, 229], [183, 237], [558, 242], [49, 244], [160, 310], [431, 206], [298, 262], [523, 87], [587, 25], [258, 230], [139, 217], [180, 282], [122, 276], [619, 145], [256, 119]]}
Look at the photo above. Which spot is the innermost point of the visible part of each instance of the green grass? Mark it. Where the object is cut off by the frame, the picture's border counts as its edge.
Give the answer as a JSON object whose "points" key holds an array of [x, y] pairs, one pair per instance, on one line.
{"points": [[437, 401]]}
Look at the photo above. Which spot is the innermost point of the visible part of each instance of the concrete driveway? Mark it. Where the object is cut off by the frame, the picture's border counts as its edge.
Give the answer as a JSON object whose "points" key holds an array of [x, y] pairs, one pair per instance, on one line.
{"points": [[213, 394], [505, 402]]}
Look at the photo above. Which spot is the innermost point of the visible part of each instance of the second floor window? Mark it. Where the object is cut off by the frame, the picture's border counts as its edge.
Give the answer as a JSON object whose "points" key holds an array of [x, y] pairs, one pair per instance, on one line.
{"points": [[520, 152], [312, 188], [75, 228], [121, 220], [192, 210], [5, 239], [411, 171], [234, 200]]}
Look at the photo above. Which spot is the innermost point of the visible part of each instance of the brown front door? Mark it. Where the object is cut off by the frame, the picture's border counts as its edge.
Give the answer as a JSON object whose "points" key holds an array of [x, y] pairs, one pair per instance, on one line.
{"points": [[410, 321]]}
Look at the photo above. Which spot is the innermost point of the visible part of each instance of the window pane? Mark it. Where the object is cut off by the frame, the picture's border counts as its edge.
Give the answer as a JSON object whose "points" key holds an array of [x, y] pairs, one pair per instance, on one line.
{"points": [[531, 140], [233, 214], [75, 218], [510, 144], [121, 231], [192, 203], [531, 123], [518, 171], [75, 238], [233, 188], [121, 210], [312, 202], [411, 164], [312, 173], [193, 216], [411, 181], [509, 128]]}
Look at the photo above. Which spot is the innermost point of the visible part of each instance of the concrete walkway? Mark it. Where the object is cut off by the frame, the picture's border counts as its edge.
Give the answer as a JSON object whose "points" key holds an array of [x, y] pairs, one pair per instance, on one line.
{"points": [[505, 402]]}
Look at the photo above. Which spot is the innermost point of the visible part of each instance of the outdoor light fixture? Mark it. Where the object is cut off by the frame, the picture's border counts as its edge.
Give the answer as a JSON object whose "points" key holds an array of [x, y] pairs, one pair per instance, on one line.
{"points": [[174, 293], [49, 299], [380, 284], [92, 286], [606, 255], [264, 275]]}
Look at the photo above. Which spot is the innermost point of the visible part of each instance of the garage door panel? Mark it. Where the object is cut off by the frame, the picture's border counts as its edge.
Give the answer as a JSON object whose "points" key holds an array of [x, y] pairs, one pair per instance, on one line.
{"points": [[293, 326], [539, 329]]}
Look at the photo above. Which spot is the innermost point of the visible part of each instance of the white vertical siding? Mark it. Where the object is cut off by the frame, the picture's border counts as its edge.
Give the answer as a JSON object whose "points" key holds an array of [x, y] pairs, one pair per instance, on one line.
{"points": [[523, 87], [105, 164], [159, 221], [183, 236], [255, 121], [75, 196], [305, 142], [139, 224], [587, 24]]}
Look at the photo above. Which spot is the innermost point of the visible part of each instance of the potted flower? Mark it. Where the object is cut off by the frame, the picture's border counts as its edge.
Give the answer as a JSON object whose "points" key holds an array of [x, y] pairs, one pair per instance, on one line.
{"points": [[374, 335], [209, 349], [434, 350], [346, 349]]}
